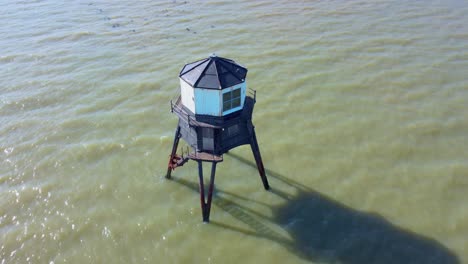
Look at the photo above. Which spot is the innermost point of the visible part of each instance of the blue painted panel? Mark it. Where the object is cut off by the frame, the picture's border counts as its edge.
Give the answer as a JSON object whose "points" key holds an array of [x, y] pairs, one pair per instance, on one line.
{"points": [[207, 102]]}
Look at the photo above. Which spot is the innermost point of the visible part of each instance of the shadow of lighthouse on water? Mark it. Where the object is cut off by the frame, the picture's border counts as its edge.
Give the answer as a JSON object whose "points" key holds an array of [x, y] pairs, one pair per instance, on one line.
{"points": [[321, 229]]}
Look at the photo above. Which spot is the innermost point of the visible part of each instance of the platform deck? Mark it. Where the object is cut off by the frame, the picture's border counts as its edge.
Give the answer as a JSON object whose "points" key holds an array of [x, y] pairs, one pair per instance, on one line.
{"points": [[203, 156]]}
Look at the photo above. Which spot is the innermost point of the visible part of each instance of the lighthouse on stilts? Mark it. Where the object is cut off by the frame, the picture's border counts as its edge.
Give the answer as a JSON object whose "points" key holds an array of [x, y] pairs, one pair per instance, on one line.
{"points": [[215, 115]]}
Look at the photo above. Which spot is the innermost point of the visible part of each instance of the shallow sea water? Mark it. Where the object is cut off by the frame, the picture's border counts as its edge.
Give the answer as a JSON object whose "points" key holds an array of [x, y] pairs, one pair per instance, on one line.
{"points": [[361, 117]]}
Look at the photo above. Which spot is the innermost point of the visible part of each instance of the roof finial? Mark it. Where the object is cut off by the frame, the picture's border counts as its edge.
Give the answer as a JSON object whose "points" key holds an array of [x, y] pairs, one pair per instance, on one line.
{"points": [[213, 55]]}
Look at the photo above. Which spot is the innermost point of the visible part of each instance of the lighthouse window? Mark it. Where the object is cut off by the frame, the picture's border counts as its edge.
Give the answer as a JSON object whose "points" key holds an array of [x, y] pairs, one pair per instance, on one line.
{"points": [[231, 99]]}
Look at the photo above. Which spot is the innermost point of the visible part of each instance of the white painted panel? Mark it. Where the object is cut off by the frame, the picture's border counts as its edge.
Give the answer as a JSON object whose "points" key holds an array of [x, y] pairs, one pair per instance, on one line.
{"points": [[187, 95]]}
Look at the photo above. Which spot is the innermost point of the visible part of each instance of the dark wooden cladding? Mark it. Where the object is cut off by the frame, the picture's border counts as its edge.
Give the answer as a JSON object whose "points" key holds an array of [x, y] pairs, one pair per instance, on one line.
{"points": [[212, 134]]}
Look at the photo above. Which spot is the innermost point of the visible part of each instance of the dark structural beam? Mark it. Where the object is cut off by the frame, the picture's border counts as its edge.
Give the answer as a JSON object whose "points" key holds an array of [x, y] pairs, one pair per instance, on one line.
{"points": [[173, 157], [258, 159], [206, 201]]}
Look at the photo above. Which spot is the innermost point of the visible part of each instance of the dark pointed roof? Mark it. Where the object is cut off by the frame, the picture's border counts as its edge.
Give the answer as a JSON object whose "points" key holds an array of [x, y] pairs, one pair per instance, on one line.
{"points": [[213, 73]]}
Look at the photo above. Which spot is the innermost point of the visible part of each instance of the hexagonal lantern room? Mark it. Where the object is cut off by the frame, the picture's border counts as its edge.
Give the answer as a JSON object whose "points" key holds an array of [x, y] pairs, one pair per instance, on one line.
{"points": [[215, 115], [213, 86]]}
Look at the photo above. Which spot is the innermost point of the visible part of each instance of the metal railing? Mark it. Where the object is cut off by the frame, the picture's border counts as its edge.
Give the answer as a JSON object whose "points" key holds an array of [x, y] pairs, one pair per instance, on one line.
{"points": [[181, 112], [252, 93], [177, 108]]}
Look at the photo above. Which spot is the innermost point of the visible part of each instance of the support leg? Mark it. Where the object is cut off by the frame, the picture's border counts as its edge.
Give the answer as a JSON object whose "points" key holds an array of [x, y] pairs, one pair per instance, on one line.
{"points": [[258, 160], [170, 165], [210, 190], [206, 204]]}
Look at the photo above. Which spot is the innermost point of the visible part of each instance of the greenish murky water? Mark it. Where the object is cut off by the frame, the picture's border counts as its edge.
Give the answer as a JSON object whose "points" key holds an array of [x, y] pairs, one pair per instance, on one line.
{"points": [[361, 117]]}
